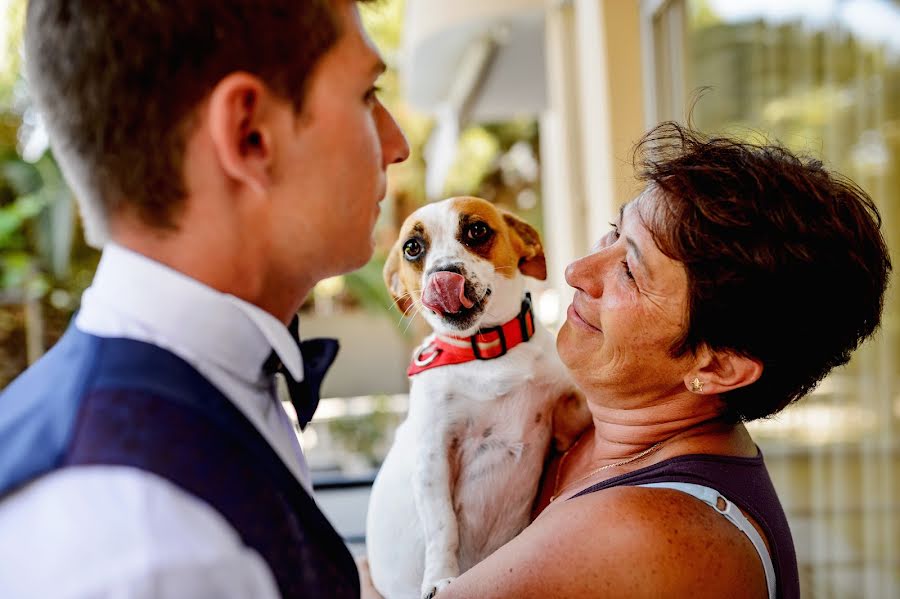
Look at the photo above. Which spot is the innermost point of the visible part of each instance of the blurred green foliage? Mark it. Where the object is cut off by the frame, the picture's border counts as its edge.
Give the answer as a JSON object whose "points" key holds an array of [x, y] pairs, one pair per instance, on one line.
{"points": [[364, 436], [43, 259]]}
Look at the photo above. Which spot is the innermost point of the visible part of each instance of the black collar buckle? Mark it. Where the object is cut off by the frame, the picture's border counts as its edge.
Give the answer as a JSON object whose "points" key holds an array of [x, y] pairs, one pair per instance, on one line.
{"points": [[501, 337], [523, 325]]}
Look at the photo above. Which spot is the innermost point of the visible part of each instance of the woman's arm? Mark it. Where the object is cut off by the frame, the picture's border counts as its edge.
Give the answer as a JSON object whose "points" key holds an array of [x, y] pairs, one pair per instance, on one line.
{"points": [[623, 542]]}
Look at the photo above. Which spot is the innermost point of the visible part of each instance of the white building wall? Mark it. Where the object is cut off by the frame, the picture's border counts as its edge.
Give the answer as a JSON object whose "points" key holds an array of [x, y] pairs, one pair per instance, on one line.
{"points": [[595, 115]]}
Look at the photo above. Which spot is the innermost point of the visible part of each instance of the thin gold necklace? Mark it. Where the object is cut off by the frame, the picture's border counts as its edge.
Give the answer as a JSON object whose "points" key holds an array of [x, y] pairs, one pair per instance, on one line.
{"points": [[557, 491]]}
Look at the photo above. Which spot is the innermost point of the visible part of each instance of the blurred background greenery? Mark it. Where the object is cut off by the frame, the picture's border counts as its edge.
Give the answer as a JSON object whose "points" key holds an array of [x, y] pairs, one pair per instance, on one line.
{"points": [[44, 264]]}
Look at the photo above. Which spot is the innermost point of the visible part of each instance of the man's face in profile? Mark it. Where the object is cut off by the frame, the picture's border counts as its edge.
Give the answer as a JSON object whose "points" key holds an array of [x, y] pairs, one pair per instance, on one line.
{"points": [[334, 167]]}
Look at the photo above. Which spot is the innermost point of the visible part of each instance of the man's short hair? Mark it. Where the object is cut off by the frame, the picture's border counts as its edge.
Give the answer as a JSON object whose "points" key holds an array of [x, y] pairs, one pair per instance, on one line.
{"points": [[118, 83], [785, 260]]}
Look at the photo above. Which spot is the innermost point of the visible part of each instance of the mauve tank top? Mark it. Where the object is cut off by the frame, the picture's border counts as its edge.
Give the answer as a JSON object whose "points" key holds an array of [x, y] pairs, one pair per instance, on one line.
{"points": [[743, 481]]}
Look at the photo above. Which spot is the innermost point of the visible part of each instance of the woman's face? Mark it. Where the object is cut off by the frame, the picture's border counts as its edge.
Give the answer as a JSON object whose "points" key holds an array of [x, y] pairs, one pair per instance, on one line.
{"points": [[630, 305]]}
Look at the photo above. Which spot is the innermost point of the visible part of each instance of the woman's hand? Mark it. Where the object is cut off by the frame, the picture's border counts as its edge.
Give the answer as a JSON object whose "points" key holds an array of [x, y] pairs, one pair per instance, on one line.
{"points": [[367, 588]]}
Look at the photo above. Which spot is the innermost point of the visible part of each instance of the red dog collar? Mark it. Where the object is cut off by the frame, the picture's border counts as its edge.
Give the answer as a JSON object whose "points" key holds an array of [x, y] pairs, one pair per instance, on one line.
{"points": [[486, 344]]}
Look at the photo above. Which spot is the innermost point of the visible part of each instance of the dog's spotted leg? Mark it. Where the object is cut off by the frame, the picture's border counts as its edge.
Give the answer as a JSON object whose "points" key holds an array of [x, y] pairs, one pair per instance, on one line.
{"points": [[433, 497]]}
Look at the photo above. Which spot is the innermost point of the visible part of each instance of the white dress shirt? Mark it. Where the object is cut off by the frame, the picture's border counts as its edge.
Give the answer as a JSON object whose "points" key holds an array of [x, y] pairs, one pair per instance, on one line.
{"points": [[104, 531]]}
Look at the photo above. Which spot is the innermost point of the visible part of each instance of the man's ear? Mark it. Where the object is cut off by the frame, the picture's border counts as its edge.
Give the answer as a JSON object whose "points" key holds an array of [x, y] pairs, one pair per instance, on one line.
{"points": [[527, 243], [237, 113], [721, 371], [392, 280]]}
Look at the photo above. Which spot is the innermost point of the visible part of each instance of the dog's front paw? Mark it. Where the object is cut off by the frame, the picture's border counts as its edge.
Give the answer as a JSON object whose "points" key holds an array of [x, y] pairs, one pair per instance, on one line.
{"points": [[430, 590]]}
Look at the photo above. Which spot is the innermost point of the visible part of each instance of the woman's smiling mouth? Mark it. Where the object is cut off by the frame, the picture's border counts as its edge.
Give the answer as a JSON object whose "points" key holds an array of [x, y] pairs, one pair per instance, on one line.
{"points": [[575, 318]]}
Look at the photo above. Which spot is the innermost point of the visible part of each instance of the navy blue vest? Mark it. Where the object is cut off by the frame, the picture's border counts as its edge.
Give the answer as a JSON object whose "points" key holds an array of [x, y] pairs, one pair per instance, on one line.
{"points": [[93, 400]]}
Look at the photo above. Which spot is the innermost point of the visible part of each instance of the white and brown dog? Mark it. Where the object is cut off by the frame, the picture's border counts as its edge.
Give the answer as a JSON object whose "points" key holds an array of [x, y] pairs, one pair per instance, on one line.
{"points": [[488, 393]]}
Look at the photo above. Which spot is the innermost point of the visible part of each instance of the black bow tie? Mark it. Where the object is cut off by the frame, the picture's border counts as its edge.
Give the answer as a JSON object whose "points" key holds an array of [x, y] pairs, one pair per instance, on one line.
{"points": [[318, 355]]}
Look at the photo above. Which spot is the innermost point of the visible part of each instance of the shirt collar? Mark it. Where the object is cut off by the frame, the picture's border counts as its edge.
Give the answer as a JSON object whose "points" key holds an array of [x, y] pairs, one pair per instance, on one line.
{"points": [[226, 330]]}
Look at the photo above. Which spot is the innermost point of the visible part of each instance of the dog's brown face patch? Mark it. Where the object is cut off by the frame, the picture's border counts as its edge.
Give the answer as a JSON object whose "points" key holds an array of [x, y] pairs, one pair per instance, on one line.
{"points": [[477, 235], [482, 232], [497, 236]]}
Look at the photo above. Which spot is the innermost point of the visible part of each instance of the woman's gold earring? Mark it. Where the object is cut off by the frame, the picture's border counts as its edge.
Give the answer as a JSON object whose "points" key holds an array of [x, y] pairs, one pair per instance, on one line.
{"points": [[696, 385]]}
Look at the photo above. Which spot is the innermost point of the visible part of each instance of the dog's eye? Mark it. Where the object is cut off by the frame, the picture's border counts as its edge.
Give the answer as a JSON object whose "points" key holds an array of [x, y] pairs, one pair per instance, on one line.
{"points": [[477, 232], [412, 248]]}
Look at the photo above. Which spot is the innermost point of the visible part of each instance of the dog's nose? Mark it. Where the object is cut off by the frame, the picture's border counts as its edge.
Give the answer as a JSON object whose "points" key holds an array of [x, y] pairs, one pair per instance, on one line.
{"points": [[449, 267], [445, 293]]}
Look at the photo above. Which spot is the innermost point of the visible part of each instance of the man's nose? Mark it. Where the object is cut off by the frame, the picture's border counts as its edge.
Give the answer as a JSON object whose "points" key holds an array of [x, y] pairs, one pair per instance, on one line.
{"points": [[394, 147]]}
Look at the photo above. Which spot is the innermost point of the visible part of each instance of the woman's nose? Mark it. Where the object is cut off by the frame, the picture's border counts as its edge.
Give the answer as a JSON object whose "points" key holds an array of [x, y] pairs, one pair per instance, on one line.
{"points": [[586, 273]]}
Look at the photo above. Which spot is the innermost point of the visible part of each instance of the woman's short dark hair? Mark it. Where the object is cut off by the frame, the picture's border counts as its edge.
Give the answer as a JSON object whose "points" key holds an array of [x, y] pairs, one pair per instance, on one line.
{"points": [[118, 81], [785, 260]]}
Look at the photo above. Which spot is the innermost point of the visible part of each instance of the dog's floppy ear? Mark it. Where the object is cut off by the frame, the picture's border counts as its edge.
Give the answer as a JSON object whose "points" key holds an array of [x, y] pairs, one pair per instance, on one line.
{"points": [[395, 286], [527, 242]]}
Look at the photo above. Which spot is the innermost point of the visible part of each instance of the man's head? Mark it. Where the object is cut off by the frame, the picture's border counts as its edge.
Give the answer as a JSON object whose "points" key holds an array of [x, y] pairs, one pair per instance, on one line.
{"points": [[150, 104], [118, 83]]}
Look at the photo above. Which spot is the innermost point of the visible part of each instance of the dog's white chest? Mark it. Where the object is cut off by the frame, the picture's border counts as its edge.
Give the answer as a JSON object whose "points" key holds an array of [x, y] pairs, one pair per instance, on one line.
{"points": [[498, 454], [470, 455]]}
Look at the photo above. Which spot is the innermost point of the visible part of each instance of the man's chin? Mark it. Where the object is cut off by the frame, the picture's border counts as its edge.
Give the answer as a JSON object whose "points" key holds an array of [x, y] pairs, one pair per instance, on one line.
{"points": [[361, 258], [349, 260]]}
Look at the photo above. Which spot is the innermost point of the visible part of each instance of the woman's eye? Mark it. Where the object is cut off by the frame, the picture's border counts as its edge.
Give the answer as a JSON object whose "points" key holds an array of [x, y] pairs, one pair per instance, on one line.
{"points": [[628, 272], [412, 249], [477, 232], [609, 239]]}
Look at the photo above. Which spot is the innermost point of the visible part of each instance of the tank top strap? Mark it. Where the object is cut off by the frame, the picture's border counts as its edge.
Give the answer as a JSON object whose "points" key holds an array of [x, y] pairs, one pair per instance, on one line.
{"points": [[731, 513]]}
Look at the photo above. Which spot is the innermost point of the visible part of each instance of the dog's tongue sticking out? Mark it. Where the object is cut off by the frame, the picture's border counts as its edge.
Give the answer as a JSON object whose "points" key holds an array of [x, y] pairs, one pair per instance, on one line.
{"points": [[445, 293]]}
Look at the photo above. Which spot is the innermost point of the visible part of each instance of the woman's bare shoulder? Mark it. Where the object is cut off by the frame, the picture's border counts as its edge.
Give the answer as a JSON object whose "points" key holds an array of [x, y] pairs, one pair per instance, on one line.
{"points": [[624, 541]]}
